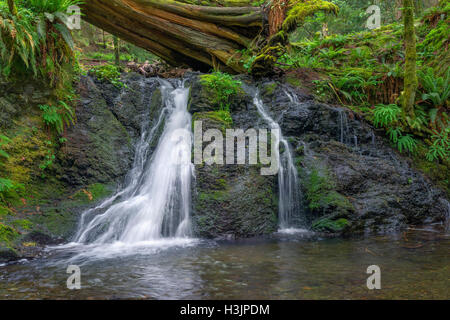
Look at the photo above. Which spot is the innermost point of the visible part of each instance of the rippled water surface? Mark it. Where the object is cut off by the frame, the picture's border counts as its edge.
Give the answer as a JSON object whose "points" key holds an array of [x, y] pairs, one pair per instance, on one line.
{"points": [[414, 265]]}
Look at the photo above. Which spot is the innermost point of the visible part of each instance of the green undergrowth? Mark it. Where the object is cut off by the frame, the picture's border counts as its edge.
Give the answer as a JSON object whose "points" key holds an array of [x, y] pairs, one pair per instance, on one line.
{"points": [[35, 41], [364, 71], [8, 235], [222, 88], [109, 73]]}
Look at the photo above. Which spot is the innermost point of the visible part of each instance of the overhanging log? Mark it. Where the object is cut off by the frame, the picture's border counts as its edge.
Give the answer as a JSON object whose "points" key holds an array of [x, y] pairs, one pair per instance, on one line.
{"points": [[205, 37], [180, 33]]}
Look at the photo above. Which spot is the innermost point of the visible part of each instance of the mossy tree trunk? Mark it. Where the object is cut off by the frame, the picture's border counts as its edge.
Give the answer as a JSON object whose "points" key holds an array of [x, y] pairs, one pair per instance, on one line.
{"points": [[410, 80], [116, 51], [12, 7]]}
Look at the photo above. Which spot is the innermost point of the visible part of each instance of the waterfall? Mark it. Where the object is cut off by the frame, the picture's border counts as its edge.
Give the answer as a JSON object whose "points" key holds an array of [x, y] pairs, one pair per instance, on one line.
{"points": [[156, 201], [288, 186], [344, 129]]}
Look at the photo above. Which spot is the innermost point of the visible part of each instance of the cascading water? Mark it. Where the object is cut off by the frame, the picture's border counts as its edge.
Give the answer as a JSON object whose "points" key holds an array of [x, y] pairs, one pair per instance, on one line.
{"points": [[288, 186], [156, 202]]}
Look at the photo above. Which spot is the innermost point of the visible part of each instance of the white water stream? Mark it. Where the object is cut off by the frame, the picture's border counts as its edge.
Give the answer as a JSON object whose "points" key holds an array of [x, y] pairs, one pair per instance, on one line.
{"points": [[288, 186], [156, 202]]}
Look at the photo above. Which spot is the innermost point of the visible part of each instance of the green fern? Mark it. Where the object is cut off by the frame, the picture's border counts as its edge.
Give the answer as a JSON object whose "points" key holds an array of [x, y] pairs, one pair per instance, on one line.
{"points": [[19, 41], [3, 141], [384, 115], [394, 134], [6, 185], [407, 143], [36, 39], [58, 117], [52, 6], [223, 87], [440, 147], [437, 89]]}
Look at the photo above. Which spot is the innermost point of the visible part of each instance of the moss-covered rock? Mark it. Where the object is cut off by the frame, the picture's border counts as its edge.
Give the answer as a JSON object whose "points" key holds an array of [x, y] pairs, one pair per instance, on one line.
{"points": [[215, 92], [92, 193], [230, 201], [330, 225], [321, 193], [98, 148], [233, 201], [348, 172], [214, 119], [7, 234]]}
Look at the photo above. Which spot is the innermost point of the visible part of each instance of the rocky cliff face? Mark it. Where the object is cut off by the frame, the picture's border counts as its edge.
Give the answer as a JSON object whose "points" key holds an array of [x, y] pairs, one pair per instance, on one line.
{"points": [[351, 181]]}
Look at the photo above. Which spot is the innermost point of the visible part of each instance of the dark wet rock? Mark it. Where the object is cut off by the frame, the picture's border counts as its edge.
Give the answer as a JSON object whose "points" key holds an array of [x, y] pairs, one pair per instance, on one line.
{"points": [[351, 180], [8, 254], [365, 182], [100, 146], [231, 201], [41, 238]]}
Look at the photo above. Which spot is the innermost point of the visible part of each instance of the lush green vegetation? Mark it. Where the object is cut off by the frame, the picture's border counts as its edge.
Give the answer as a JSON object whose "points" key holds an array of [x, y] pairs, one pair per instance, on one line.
{"points": [[223, 87], [35, 43], [35, 39], [365, 70], [108, 72]]}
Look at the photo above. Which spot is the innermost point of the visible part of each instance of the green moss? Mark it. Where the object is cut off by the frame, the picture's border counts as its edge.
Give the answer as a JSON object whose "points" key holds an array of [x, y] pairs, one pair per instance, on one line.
{"points": [[4, 212], [410, 75], [221, 183], [215, 119], [329, 225], [28, 149], [7, 234], [293, 81], [59, 222], [23, 224], [216, 195], [321, 193], [224, 3], [269, 89], [300, 9], [92, 193], [438, 172]]}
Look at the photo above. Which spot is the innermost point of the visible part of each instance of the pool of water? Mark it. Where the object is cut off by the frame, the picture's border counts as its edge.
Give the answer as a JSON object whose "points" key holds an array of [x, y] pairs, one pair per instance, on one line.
{"points": [[290, 265]]}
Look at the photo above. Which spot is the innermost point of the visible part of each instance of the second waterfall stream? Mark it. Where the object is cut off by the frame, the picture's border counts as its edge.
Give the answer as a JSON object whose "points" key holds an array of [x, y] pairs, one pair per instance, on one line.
{"points": [[288, 186], [156, 202]]}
